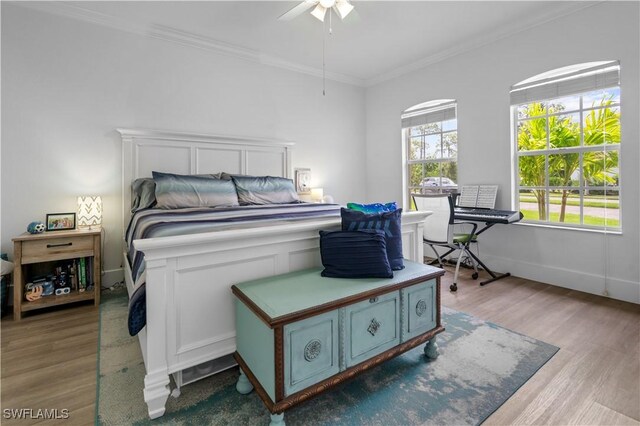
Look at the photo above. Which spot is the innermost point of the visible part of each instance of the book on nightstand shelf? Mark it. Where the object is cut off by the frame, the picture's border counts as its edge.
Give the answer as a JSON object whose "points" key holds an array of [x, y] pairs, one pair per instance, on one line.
{"points": [[65, 277], [83, 278]]}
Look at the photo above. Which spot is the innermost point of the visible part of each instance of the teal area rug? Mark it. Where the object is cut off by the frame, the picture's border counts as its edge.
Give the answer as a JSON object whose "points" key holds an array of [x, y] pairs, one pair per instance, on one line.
{"points": [[480, 366]]}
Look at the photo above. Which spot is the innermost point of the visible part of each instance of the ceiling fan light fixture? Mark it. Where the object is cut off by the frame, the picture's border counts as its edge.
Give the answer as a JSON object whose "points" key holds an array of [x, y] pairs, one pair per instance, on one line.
{"points": [[343, 8], [328, 4], [319, 12]]}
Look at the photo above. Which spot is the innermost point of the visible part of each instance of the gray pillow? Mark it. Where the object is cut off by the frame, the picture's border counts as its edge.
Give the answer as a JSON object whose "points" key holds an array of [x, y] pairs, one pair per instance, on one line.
{"points": [[182, 191], [143, 194], [264, 190]]}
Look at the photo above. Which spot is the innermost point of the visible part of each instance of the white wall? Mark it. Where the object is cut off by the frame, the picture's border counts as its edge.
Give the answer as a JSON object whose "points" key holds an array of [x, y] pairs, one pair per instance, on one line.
{"points": [[66, 85], [480, 80]]}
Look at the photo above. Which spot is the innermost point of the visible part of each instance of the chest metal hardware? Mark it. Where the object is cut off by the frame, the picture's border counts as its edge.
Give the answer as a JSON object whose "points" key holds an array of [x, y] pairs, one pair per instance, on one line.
{"points": [[374, 326], [312, 350], [421, 307]]}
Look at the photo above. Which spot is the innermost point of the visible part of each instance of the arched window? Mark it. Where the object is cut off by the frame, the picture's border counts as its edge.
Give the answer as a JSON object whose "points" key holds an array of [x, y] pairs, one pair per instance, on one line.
{"points": [[567, 146], [430, 135]]}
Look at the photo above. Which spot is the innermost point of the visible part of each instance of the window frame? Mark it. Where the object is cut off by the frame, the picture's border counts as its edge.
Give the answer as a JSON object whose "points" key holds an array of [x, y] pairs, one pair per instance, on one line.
{"points": [[407, 136], [579, 149]]}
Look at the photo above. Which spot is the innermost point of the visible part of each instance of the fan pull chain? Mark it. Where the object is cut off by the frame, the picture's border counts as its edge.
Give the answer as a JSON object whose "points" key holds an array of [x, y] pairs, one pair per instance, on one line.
{"points": [[324, 38], [330, 23], [324, 80]]}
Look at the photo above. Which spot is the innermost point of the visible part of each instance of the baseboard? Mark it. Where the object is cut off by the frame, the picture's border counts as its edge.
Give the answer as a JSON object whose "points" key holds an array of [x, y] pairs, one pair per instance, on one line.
{"points": [[619, 289], [111, 277]]}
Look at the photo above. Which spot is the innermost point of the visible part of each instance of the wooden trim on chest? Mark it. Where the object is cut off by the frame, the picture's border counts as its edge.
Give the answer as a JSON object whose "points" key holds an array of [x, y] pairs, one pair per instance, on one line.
{"points": [[316, 310], [285, 403], [279, 357]]}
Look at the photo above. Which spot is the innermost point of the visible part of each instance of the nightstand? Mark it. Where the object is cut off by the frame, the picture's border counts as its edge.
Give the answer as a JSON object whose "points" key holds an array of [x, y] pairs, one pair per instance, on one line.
{"points": [[42, 256]]}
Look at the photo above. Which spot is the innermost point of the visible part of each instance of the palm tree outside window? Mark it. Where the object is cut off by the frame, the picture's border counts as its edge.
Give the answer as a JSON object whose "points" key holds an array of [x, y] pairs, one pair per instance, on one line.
{"points": [[567, 141]]}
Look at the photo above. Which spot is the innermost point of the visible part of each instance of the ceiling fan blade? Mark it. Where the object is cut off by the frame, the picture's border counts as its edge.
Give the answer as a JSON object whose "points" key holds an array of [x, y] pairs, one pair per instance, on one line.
{"points": [[297, 10], [319, 12], [342, 8]]}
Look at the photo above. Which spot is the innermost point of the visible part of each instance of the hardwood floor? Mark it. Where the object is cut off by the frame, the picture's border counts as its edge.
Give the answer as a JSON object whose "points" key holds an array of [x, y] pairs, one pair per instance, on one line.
{"points": [[595, 376], [49, 360]]}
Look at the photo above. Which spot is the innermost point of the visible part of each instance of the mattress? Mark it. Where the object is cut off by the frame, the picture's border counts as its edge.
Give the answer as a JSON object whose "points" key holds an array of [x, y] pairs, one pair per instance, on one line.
{"points": [[155, 223]]}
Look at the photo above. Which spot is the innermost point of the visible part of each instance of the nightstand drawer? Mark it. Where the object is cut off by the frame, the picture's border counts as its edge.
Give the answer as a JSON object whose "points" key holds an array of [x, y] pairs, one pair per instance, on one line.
{"points": [[57, 248]]}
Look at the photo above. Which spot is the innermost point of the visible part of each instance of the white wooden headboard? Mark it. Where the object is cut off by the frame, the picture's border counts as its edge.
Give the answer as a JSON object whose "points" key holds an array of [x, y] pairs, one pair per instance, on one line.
{"points": [[144, 151]]}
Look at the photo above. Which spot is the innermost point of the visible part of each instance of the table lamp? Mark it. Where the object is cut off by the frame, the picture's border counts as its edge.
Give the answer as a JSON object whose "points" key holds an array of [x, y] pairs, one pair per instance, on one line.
{"points": [[89, 212], [317, 194]]}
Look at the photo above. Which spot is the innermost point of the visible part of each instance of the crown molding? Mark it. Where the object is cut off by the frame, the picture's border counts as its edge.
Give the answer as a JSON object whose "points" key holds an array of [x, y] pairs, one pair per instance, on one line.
{"points": [[183, 38], [68, 10], [173, 35], [515, 28], [219, 47]]}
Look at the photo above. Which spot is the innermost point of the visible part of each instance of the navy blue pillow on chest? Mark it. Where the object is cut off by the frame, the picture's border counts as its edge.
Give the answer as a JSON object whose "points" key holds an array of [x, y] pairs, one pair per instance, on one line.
{"points": [[359, 254], [388, 222]]}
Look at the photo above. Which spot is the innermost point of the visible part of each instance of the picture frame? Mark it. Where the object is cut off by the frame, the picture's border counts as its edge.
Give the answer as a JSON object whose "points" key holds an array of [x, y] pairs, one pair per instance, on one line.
{"points": [[61, 221], [303, 180]]}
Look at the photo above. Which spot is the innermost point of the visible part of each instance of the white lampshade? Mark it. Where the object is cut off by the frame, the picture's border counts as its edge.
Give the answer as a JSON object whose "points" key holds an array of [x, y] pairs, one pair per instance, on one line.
{"points": [[319, 12], [89, 211], [344, 8], [317, 194]]}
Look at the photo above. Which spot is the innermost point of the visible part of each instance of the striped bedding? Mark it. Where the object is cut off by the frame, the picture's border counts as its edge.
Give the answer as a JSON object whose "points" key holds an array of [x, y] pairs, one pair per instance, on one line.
{"points": [[152, 223]]}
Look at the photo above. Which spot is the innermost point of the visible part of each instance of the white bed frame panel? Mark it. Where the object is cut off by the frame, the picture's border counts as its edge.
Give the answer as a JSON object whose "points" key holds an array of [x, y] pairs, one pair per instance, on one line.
{"points": [[190, 317]]}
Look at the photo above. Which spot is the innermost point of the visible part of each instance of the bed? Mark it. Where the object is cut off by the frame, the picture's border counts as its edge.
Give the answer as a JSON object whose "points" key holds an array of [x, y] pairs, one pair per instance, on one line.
{"points": [[189, 305]]}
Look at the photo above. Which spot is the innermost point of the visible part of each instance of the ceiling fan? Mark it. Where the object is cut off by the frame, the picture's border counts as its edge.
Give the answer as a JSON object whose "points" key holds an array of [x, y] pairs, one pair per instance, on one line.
{"points": [[341, 7]]}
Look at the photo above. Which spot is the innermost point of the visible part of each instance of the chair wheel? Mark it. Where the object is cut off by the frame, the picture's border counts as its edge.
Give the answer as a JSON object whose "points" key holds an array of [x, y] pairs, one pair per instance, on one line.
{"points": [[453, 287], [474, 276]]}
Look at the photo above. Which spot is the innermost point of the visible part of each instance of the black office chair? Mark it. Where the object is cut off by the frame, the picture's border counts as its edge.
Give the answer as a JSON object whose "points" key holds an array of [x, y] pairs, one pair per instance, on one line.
{"points": [[440, 230]]}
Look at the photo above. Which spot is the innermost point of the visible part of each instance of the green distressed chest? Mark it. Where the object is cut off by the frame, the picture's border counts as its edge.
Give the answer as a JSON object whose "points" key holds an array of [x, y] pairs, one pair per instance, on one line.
{"points": [[299, 334]]}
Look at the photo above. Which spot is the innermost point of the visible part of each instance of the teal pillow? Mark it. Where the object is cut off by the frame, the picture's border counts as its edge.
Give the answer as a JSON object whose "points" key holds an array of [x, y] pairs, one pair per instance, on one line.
{"points": [[373, 208], [183, 191]]}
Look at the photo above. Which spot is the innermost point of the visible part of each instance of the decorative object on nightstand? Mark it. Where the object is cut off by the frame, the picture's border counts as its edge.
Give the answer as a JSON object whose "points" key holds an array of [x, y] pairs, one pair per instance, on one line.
{"points": [[35, 228], [303, 181], [56, 268], [61, 221], [89, 212]]}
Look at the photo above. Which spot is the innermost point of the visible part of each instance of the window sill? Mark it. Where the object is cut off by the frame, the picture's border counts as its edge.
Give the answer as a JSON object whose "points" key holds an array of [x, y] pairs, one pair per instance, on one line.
{"points": [[570, 228]]}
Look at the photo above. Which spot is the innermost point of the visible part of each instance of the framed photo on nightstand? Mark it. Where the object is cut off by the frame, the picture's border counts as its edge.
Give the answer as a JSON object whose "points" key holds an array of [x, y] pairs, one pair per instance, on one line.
{"points": [[303, 181], [61, 221]]}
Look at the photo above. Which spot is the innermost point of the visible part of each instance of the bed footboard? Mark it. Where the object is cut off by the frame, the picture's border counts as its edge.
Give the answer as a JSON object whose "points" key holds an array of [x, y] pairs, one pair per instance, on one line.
{"points": [[190, 317]]}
